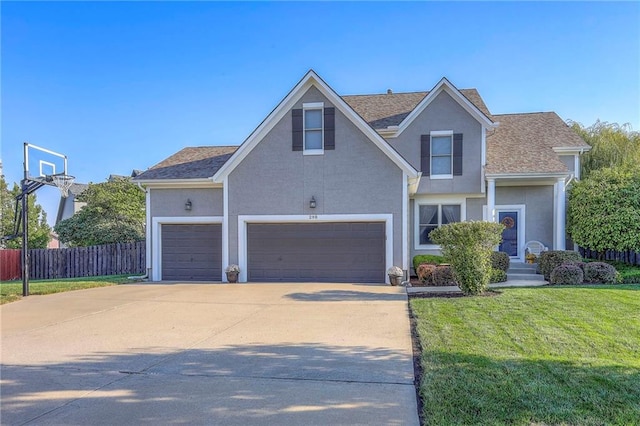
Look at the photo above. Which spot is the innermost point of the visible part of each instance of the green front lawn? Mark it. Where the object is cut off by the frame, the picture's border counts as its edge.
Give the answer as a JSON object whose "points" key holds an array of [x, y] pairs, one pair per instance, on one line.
{"points": [[552, 355], [11, 291]]}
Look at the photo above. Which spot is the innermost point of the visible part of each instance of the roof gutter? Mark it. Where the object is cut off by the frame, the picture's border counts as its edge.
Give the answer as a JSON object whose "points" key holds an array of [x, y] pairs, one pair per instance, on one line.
{"points": [[179, 183], [553, 175]]}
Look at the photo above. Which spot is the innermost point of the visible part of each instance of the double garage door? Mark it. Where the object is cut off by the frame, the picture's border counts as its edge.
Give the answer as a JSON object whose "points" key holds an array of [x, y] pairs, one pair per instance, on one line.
{"points": [[321, 252], [285, 252]]}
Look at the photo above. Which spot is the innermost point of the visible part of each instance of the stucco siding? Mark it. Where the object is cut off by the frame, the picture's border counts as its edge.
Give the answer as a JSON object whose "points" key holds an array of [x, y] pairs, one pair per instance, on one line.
{"points": [[538, 201], [569, 161], [475, 207], [444, 113], [171, 202], [355, 178]]}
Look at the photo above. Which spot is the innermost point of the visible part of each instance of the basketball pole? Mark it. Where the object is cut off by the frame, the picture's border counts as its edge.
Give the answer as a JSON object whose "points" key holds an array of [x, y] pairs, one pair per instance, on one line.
{"points": [[25, 227], [30, 184]]}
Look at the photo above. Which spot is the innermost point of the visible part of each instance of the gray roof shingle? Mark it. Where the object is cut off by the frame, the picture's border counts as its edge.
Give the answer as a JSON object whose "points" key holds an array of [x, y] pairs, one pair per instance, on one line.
{"points": [[523, 143], [78, 188], [190, 163], [389, 109]]}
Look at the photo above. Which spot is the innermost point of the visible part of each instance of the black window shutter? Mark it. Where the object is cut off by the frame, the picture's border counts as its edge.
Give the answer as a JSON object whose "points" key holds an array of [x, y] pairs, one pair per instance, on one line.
{"points": [[296, 129], [457, 154], [329, 128], [425, 155]]}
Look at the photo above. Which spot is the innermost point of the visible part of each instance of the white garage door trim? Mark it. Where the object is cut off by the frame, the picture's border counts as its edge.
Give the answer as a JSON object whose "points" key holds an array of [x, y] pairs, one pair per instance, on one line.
{"points": [[244, 219], [156, 237]]}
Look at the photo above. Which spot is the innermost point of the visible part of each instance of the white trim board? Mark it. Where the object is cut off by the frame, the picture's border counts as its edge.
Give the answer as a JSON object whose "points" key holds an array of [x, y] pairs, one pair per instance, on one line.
{"points": [[243, 220], [156, 236], [445, 85]]}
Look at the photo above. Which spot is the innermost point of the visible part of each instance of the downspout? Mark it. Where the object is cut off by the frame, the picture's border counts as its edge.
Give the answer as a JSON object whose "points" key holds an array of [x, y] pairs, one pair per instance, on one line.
{"points": [[146, 275]]}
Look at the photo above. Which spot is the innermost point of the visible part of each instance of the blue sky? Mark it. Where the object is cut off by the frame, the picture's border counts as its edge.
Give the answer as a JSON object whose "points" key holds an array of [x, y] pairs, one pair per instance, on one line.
{"points": [[122, 85]]}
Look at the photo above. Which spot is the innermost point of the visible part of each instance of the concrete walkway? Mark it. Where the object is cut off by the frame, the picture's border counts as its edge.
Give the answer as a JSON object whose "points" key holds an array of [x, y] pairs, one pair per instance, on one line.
{"points": [[312, 354], [456, 289]]}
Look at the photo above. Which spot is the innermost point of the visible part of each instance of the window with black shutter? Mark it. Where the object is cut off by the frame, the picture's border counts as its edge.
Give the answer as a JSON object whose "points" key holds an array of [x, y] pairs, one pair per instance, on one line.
{"points": [[313, 128], [441, 154]]}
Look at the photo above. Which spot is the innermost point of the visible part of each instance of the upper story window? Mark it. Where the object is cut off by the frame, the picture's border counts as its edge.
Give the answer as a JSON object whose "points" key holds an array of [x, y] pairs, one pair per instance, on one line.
{"points": [[313, 127], [441, 154]]}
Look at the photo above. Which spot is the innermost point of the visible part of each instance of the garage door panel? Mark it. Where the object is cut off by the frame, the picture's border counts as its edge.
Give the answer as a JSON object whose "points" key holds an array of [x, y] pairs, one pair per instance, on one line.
{"points": [[341, 252], [192, 252]]}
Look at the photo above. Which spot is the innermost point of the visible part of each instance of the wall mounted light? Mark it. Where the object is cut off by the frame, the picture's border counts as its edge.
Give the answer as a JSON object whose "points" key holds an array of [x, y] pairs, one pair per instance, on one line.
{"points": [[312, 202], [188, 205]]}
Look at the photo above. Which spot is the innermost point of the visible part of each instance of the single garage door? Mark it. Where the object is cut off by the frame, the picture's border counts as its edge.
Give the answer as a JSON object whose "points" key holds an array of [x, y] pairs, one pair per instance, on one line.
{"points": [[192, 252], [324, 252]]}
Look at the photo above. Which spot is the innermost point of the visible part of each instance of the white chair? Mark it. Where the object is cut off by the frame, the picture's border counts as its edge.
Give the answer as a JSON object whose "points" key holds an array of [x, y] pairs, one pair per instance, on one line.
{"points": [[535, 247]]}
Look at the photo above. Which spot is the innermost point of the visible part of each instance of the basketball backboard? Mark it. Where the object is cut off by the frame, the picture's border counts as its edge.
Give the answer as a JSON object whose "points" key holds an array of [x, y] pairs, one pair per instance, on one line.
{"points": [[40, 162]]}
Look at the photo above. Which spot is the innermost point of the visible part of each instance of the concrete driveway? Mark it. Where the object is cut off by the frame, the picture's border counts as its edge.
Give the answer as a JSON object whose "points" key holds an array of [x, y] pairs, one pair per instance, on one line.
{"points": [[209, 354]]}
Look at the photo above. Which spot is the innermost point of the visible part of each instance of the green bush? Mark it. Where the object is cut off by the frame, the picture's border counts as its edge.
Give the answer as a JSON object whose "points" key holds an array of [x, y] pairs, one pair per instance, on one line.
{"points": [[579, 264], [425, 273], [630, 276], [443, 276], [467, 246], [566, 274], [551, 259], [498, 276], [433, 259], [604, 210], [599, 272], [500, 260]]}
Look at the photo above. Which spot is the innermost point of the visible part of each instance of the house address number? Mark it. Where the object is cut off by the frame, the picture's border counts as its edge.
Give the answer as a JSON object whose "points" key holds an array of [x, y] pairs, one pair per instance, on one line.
{"points": [[313, 216]]}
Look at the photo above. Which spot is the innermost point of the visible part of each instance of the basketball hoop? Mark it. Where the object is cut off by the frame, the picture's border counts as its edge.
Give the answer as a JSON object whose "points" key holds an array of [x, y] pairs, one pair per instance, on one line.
{"points": [[63, 182]]}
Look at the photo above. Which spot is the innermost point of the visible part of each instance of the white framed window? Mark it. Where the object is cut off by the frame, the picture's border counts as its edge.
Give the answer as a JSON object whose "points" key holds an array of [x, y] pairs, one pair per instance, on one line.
{"points": [[313, 122], [442, 154], [431, 213]]}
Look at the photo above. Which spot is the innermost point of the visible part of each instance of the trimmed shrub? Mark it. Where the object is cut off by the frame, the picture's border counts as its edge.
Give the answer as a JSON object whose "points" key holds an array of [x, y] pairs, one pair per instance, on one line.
{"points": [[498, 276], [467, 246], [443, 276], [575, 263], [566, 274], [500, 260], [599, 272], [425, 273], [551, 259], [426, 258]]}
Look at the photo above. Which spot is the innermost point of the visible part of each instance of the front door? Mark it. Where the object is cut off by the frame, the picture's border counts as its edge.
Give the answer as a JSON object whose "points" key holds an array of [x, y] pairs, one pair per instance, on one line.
{"points": [[510, 243]]}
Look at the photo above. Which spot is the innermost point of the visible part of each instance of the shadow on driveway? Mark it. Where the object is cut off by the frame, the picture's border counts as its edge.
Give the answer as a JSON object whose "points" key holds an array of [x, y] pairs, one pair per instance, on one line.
{"points": [[246, 384]]}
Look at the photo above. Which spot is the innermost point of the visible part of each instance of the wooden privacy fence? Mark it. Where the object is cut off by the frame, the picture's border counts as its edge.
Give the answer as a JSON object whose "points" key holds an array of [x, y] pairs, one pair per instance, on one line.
{"points": [[629, 257], [10, 264], [109, 259]]}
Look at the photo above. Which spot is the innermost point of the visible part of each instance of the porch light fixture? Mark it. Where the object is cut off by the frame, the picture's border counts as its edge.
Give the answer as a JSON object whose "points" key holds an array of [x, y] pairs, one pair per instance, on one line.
{"points": [[312, 202], [188, 205]]}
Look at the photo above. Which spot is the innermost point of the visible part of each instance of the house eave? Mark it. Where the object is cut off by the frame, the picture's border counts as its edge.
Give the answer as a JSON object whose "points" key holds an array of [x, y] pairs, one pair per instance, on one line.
{"points": [[179, 183], [535, 175], [568, 150]]}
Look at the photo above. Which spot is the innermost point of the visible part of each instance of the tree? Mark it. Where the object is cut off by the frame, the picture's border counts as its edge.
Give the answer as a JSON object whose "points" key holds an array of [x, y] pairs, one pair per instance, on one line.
{"points": [[604, 210], [39, 229], [114, 213], [467, 246], [612, 145]]}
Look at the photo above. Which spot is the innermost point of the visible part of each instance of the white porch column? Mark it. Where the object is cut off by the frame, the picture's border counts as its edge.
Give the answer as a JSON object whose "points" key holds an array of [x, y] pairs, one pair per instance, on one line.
{"points": [[491, 199], [560, 219]]}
